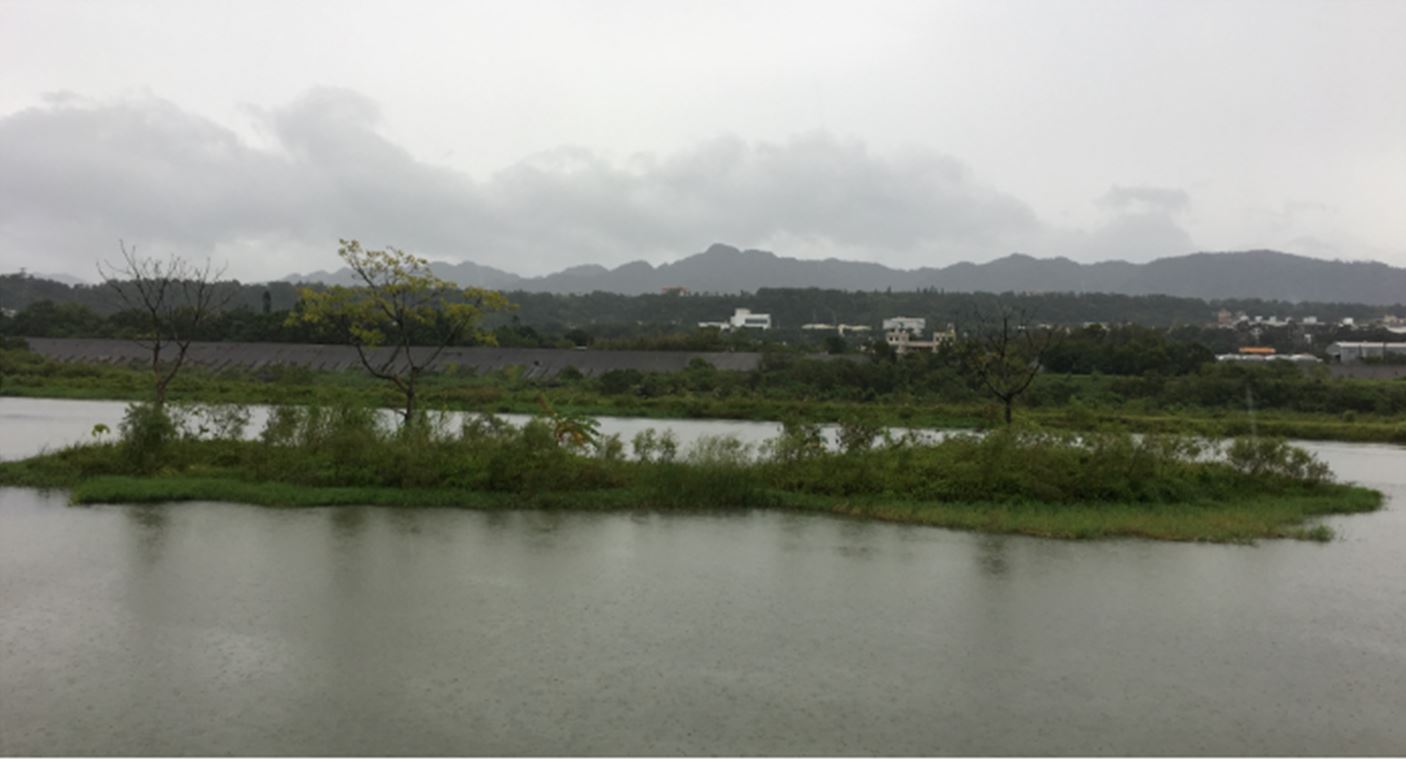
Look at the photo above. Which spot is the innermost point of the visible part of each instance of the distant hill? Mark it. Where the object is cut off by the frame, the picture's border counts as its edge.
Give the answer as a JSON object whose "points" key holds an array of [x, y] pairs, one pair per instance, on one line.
{"points": [[1266, 274]]}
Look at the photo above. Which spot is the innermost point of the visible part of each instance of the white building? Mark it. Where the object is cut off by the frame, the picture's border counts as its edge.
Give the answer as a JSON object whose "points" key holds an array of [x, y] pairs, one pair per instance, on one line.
{"points": [[1297, 358], [912, 324], [742, 318], [903, 341], [1351, 353]]}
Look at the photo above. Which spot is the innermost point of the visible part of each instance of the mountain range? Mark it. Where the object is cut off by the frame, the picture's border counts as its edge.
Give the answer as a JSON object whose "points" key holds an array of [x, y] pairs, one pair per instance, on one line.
{"points": [[721, 268]]}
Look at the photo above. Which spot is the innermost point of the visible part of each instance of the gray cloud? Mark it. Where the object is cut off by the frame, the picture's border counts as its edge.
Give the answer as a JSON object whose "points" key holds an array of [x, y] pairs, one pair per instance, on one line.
{"points": [[1135, 199], [77, 175], [1134, 237]]}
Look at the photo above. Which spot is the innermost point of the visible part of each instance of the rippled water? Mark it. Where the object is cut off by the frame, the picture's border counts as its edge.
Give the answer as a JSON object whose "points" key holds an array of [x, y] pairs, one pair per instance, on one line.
{"points": [[214, 628]]}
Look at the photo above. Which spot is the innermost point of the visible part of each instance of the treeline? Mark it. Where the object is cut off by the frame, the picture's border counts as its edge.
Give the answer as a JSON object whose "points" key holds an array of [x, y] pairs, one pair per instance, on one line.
{"points": [[943, 378], [1116, 350], [74, 320], [613, 315], [18, 292], [1119, 350], [792, 307]]}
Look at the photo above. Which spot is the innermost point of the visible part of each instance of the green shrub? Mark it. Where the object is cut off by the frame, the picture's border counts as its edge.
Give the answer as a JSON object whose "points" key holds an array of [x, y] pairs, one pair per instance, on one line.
{"points": [[1274, 458], [619, 381], [651, 446], [799, 441], [482, 429], [719, 451], [211, 421], [281, 427], [715, 472], [146, 434], [857, 434]]}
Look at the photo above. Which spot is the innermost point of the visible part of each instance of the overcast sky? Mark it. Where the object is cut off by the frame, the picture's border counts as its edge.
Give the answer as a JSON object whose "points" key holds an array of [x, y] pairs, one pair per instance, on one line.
{"points": [[536, 135]]}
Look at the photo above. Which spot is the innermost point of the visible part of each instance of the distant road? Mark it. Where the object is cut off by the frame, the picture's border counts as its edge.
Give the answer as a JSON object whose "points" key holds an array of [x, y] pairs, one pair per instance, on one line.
{"points": [[536, 362]]}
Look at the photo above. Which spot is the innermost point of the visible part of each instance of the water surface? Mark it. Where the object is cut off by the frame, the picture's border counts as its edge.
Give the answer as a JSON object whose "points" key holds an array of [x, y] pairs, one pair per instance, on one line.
{"points": [[215, 628]]}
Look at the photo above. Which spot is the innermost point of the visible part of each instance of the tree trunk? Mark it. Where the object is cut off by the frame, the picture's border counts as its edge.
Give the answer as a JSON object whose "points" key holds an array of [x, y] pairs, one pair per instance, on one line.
{"points": [[1009, 403], [158, 385], [410, 403]]}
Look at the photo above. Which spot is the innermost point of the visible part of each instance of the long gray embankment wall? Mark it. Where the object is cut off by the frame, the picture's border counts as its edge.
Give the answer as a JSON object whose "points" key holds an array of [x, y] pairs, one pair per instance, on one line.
{"points": [[535, 362], [1368, 371]]}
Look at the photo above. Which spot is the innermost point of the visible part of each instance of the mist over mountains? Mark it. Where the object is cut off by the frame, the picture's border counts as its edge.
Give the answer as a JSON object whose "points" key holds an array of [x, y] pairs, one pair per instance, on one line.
{"points": [[1266, 274]]}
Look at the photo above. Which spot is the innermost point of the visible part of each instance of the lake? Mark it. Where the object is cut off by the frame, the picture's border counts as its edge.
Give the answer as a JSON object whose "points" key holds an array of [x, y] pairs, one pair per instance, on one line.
{"points": [[214, 628]]}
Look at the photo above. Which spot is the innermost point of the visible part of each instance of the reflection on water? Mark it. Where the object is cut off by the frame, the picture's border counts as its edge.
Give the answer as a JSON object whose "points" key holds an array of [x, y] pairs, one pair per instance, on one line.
{"points": [[992, 556], [149, 531], [348, 522], [404, 521]]}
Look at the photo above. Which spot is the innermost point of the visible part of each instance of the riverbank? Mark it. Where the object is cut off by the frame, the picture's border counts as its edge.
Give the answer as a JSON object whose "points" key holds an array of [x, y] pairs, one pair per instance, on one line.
{"points": [[1244, 521], [1068, 402], [1022, 482], [1352, 428]]}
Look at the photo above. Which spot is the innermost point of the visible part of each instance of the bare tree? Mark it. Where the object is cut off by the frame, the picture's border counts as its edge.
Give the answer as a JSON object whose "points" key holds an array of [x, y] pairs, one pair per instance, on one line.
{"points": [[1004, 353], [174, 298]]}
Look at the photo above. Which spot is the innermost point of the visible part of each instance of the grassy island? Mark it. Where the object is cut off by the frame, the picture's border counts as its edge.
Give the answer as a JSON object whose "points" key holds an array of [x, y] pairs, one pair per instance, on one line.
{"points": [[1019, 480]]}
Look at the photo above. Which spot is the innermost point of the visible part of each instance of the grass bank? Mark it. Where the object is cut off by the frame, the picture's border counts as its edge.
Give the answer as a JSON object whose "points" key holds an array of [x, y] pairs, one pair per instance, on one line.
{"points": [[1025, 481], [1071, 402], [1243, 521]]}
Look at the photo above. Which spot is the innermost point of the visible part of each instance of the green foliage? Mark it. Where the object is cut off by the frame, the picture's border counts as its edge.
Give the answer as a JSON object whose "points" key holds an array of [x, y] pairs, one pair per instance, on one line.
{"points": [[719, 451], [644, 318], [918, 389], [1274, 458], [716, 471], [650, 446], [1014, 479], [1129, 350], [1016, 465], [218, 421], [397, 301], [799, 441], [576, 431], [400, 303], [147, 433], [857, 434], [619, 381], [610, 448]]}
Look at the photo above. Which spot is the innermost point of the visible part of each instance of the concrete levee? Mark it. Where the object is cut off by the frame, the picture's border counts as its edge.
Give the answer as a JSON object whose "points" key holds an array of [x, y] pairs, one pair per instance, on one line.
{"points": [[1368, 371], [535, 362]]}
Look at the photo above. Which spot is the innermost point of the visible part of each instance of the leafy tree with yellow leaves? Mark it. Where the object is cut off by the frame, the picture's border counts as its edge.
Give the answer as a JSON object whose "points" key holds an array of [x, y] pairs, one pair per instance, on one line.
{"points": [[400, 317]]}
